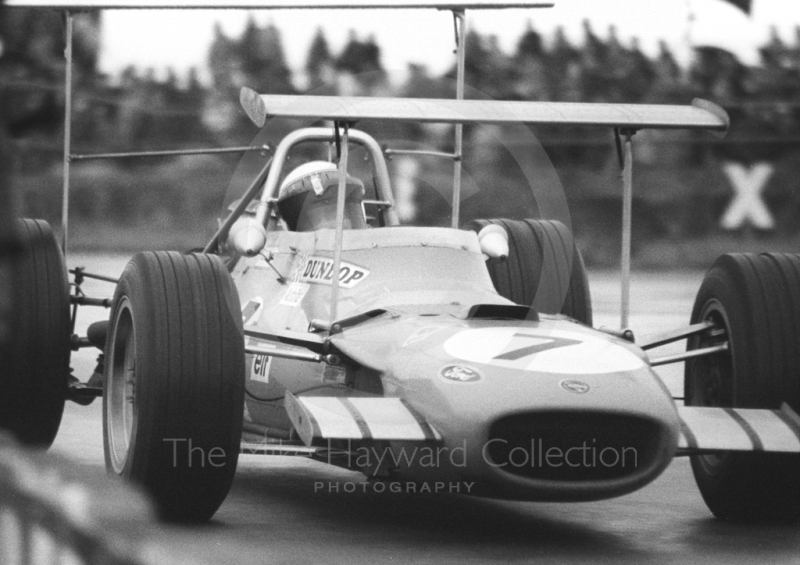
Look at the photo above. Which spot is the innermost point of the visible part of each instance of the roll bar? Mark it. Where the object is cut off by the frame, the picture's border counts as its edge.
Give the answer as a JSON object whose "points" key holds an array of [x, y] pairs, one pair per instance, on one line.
{"points": [[382, 182]]}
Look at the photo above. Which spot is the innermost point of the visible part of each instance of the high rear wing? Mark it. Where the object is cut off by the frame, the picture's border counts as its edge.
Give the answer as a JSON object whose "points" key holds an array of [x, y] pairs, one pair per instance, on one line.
{"points": [[702, 114]]}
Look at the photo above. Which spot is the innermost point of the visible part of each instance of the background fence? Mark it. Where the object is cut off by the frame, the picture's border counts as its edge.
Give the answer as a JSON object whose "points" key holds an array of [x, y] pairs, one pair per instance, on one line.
{"points": [[55, 512], [692, 190]]}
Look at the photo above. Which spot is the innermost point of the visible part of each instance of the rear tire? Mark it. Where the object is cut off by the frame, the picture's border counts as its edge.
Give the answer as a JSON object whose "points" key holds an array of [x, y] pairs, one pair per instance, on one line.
{"points": [[544, 268], [36, 374], [174, 382], [755, 299]]}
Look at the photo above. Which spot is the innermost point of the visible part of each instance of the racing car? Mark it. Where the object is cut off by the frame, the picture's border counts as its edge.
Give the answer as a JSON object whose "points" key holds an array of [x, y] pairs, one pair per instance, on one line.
{"points": [[315, 323]]}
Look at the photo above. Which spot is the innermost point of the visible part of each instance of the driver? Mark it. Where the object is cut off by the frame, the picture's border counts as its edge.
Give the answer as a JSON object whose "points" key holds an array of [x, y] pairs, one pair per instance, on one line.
{"points": [[307, 198]]}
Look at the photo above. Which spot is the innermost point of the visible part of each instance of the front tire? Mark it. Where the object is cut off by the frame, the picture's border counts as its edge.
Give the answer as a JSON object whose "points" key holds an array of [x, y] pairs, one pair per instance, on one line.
{"points": [[174, 382], [754, 302], [544, 268], [35, 370]]}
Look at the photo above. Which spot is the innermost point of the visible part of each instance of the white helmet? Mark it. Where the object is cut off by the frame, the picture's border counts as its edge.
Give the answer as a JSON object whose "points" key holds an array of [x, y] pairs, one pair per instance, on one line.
{"points": [[307, 198]]}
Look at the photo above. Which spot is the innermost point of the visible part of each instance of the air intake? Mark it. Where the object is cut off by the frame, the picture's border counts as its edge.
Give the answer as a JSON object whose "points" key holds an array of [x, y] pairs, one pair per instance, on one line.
{"points": [[570, 447]]}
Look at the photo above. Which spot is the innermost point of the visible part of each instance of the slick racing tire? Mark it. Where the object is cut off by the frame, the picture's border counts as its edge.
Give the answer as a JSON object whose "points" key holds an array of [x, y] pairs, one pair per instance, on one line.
{"points": [[173, 393], [544, 268], [35, 370], [754, 302]]}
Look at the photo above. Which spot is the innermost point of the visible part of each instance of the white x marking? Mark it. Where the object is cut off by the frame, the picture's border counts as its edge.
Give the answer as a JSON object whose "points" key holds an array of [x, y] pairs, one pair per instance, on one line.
{"points": [[747, 205]]}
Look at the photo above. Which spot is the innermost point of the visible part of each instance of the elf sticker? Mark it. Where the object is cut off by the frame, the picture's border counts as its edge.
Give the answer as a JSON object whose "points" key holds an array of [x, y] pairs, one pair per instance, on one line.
{"points": [[319, 270], [260, 369]]}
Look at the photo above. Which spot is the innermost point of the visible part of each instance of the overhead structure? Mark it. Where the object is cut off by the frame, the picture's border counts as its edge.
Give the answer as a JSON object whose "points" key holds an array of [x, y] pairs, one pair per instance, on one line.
{"points": [[625, 119], [458, 9]]}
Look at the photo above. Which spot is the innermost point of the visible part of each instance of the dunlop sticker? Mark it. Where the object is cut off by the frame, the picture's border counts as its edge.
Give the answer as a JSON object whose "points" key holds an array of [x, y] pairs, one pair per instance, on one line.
{"points": [[319, 270]]}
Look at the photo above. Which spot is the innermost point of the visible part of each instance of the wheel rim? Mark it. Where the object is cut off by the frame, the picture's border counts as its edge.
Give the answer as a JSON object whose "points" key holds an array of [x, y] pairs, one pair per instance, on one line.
{"points": [[713, 383], [121, 397]]}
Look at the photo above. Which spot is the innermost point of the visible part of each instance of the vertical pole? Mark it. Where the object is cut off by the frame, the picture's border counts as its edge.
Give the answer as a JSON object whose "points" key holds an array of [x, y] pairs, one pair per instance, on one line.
{"points": [[337, 246], [460, 19], [67, 136], [627, 211]]}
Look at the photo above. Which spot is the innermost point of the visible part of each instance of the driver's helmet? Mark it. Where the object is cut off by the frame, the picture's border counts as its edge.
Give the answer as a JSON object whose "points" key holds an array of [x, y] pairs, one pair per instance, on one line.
{"points": [[307, 198]]}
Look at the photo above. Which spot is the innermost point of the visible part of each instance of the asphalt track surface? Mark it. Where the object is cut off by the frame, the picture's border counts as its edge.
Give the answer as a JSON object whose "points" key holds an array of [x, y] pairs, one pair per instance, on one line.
{"points": [[287, 509]]}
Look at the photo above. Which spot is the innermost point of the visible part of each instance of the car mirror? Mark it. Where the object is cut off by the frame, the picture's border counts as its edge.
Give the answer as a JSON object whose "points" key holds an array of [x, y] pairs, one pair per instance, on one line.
{"points": [[493, 240], [247, 236]]}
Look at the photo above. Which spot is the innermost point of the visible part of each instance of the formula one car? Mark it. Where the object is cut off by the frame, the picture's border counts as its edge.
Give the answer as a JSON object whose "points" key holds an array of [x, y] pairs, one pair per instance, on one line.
{"points": [[423, 356]]}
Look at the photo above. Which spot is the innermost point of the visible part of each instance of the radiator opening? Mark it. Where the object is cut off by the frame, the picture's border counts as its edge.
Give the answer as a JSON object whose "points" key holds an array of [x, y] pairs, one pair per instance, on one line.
{"points": [[565, 446]]}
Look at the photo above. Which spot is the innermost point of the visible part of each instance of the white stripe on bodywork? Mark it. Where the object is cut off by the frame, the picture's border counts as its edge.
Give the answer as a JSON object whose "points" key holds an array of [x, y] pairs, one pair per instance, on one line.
{"points": [[774, 433], [714, 428], [388, 418], [381, 419], [333, 417]]}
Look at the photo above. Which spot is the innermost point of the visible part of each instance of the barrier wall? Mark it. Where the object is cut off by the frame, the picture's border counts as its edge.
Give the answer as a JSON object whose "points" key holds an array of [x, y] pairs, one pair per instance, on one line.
{"points": [[55, 512]]}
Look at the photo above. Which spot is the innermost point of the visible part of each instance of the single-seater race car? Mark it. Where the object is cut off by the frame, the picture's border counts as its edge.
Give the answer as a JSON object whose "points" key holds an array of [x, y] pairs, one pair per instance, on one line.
{"points": [[462, 356]]}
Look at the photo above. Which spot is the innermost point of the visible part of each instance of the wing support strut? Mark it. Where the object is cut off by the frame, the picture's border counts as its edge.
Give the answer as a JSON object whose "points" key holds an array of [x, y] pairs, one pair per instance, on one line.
{"points": [[344, 154], [625, 151], [68, 18], [460, 22]]}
